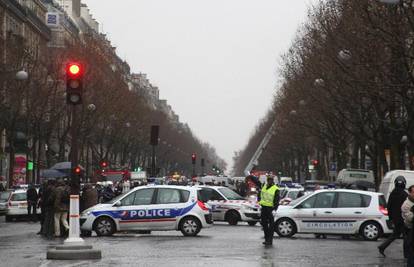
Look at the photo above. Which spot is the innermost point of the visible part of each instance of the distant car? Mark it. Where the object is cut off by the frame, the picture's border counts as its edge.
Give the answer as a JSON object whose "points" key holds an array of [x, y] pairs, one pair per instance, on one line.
{"points": [[17, 205], [4, 197], [290, 194], [229, 206], [340, 211], [149, 208]]}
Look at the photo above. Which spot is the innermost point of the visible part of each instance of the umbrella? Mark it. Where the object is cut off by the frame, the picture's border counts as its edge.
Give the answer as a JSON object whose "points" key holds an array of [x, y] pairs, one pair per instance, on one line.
{"points": [[50, 173]]}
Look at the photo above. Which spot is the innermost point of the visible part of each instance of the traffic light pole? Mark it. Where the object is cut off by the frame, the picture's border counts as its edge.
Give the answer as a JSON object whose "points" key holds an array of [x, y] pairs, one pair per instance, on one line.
{"points": [[74, 227], [153, 174]]}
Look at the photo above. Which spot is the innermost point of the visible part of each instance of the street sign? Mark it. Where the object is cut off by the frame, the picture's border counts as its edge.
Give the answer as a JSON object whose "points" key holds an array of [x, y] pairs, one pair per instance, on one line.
{"points": [[332, 166]]}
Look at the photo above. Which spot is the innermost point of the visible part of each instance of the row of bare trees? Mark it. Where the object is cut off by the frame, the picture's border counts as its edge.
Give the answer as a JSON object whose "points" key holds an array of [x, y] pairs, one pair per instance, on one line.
{"points": [[347, 93], [115, 119]]}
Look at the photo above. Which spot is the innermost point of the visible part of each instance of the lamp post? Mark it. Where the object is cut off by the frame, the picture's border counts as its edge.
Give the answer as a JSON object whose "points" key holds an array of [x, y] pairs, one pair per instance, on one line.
{"points": [[21, 76]]}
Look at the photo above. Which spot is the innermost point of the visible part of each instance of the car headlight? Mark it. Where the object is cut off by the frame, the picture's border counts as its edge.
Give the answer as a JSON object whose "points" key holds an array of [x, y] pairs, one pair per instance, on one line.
{"points": [[85, 213]]}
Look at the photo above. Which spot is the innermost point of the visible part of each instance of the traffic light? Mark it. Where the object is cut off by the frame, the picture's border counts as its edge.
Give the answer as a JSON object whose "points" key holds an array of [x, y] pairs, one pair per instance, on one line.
{"points": [[193, 158], [77, 170], [103, 164], [315, 162], [74, 75]]}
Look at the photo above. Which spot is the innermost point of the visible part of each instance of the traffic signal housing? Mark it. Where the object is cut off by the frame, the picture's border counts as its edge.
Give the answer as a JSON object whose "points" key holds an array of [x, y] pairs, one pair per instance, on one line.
{"points": [[74, 83], [193, 158]]}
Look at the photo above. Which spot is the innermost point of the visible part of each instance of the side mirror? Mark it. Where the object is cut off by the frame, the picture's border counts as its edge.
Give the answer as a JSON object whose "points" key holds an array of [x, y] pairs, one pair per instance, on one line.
{"points": [[117, 204]]}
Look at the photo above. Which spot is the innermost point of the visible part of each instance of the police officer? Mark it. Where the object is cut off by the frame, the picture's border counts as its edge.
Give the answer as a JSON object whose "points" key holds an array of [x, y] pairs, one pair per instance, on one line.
{"points": [[395, 201], [269, 201]]}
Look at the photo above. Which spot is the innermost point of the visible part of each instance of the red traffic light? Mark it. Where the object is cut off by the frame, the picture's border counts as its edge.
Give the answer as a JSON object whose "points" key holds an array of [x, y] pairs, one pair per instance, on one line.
{"points": [[315, 162], [193, 158], [74, 69], [77, 170], [104, 164]]}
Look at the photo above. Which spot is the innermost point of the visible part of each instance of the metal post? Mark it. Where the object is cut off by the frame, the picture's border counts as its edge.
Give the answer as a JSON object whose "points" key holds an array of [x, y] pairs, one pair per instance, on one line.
{"points": [[74, 226]]}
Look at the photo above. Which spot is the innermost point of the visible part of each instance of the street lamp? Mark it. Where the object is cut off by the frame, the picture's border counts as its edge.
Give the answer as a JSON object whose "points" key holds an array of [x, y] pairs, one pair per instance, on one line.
{"points": [[293, 112], [319, 82], [345, 55], [302, 102], [91, 107], [22, 75]]}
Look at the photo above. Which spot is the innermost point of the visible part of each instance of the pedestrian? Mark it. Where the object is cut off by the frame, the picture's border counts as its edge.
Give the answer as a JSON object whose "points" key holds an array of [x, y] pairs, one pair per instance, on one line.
{"points": [[40, 204], [61, 208], [48, 201], [408, 214], [89, 197], [269, 202], [2, 187], [108, 194], [395, 201], [32, 198]]}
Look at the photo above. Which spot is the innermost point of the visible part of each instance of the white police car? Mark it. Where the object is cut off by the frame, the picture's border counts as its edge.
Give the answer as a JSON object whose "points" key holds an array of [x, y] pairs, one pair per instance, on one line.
{"points": [[340, 211], [149, 208], [229, 206]]}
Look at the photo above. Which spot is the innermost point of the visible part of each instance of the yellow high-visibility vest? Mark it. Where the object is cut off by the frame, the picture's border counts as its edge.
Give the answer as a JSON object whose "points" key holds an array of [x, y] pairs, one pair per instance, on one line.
{"points": [[268, 195]]}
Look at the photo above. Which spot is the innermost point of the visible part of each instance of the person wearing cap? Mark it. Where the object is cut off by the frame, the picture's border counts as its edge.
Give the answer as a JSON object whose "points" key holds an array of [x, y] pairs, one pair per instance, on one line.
{"points": [[395, 201], [269, 202]]}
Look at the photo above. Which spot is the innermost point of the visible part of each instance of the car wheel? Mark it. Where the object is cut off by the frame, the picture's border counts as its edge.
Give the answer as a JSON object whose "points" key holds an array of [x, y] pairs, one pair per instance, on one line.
{"points": [[285, 227], [104, 226], [371, 231], [232, 217], [252, 223], [190, 226]]}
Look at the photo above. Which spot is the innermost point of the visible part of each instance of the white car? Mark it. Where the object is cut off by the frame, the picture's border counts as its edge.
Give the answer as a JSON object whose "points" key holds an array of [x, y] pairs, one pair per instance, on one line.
{"points": [[290, 194], [229, 206], [17, 205], [340, 211], [149, 208]]}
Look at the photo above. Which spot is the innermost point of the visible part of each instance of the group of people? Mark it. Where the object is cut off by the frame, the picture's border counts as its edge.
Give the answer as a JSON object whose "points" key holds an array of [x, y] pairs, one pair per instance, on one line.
{"points": [[401, 212], [53, 199]]}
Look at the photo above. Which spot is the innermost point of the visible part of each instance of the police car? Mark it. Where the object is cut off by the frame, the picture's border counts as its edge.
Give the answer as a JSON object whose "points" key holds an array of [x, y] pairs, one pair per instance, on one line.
{"points": [[149, 208], [340, 211], [229, 206]]}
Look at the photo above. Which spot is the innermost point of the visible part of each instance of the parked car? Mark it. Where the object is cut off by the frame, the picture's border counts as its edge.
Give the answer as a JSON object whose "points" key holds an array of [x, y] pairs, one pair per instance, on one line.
{"points": [[17, 205], [229, 206], [340, 211], [289, 194], [4, 197]]}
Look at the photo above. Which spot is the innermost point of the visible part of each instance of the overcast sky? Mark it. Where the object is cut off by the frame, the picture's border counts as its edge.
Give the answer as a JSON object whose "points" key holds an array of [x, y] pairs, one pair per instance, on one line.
{"points": [[215, 61]]}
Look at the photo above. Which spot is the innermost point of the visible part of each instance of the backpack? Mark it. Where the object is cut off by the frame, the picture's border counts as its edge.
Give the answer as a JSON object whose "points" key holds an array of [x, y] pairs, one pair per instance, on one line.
{"points": [[65, 198]]}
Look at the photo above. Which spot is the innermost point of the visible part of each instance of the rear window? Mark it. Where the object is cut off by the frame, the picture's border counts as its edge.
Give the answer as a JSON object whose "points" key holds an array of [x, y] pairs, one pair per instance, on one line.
{"points": [[353, 200], [18, 197], [203, 195]]}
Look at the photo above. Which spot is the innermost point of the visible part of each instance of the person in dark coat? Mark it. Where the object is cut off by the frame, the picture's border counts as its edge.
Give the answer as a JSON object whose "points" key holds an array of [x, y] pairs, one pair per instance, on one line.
{"points": [[40, 205], [2, 187], [108, 194], [89, 197], [32, 198], [395, 201], [48, 202]]}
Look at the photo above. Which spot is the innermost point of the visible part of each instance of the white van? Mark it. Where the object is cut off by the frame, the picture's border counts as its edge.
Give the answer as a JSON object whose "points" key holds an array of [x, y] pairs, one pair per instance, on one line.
{"points": [[350, 176], [387, 184]]}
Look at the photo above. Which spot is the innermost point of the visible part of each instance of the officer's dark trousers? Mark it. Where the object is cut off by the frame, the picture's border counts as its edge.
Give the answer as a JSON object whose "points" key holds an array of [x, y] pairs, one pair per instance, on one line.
{"points": [[267, 222], [31, 211], [398, 231]]}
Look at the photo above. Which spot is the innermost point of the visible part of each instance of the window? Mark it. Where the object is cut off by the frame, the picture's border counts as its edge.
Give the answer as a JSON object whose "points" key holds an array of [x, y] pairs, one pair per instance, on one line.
{"points": [[208, 194], [349, 200], [184, 195], [143, 196], [128, 200], [324, 200], [216, 196], [308, 204], [19, 197], [168, 195]]}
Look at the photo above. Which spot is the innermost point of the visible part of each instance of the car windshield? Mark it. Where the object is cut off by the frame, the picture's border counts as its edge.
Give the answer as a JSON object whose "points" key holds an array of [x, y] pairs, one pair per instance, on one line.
{"points": [[114, 200], [296, 201], [230, 194], [4, 196]]}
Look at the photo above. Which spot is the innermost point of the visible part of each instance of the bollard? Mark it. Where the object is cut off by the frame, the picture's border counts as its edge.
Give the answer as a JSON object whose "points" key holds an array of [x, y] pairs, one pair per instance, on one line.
{"points": [[74, 227]]}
